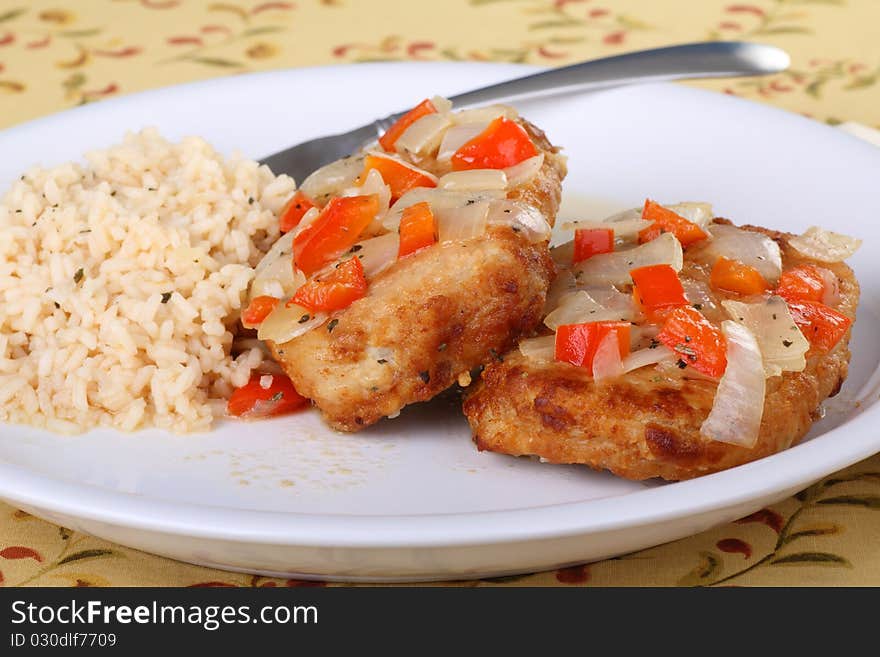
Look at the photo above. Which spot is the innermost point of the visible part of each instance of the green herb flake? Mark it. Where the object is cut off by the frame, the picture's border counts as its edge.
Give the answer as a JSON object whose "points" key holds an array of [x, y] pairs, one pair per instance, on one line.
{"points": [[78, 276], [332, 325], [442, 347], [166, 296], [278, 396], [425, 376]]}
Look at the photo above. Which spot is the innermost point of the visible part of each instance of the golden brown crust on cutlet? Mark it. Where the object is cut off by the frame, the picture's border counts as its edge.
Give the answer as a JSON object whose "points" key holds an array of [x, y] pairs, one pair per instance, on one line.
{"points": [[645, 425]]}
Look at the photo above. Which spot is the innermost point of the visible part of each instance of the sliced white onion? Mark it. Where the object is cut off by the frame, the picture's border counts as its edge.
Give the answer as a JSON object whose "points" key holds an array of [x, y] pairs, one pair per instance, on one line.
{"points": [[607, 363], [562, 285], [524, 218], [274, 275], [698, 213], [423, 137], [473, 180], [485, 114], [331, 179], [283, 247], [520, 174], [438, 199], [457, 136], [285, 323], [461, 223], [748, 247], [648, 356], [441, 104], [540, 349], [739, 400], [563, 254], [825, 245], [700, 295], [614, 267], [831, 291], [378, 253], [372, 184], [580, 307], [306, 220], [626, 229], [782, 344]]}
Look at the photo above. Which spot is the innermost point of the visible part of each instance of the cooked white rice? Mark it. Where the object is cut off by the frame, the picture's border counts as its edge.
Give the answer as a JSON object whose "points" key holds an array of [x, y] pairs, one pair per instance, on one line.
{"points": [[121, 284]]}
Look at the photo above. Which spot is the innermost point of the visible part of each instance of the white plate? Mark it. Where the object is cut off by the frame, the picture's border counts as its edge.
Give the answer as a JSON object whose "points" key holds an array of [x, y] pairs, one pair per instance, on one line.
{"points": [[412, 498]]}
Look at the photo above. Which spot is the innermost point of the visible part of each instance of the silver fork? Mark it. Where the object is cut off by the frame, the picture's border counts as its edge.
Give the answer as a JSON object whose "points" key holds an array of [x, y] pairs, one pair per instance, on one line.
{"points": [[714, 59]]}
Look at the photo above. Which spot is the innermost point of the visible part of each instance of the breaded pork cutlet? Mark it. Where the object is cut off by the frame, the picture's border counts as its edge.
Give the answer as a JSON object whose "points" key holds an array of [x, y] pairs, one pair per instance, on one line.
{"points": [[464, 212], [683, 413]]}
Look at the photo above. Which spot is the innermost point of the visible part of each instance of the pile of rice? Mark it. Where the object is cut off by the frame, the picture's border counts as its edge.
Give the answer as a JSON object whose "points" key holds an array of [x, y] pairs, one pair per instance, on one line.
{"points": [[121, 284]]}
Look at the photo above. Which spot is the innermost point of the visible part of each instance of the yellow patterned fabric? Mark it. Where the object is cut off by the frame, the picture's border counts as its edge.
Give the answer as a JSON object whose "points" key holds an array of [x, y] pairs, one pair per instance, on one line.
{"points": [[55, 55]]}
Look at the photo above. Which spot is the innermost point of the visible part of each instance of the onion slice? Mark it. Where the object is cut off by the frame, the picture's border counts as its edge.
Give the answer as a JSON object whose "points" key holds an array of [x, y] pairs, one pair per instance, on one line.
{"points": [[748, 247], [580, 307], [286, 323], [614, 267], [698, 213], [424, 135], [783, 346], [372, 184], [648, 356], [457, 136], [274, 275], [607, 363], [331, 179], [739, 400], [539, 349], [825, 245], [524, 218], [473, 180], [485, 114], [377, 253], [461, 223], [520, 174], [438, 199]]}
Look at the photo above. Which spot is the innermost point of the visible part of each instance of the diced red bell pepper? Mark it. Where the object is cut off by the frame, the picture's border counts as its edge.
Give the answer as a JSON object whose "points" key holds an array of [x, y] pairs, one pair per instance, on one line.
{"points": [[258, 309], [822, 326], [388, 140], [592, 241], [339, 289], [577, 343], [734, 276], [697, 342], [334, 231], [657, 289], [803, 283], [397, 175], [503, 144], [667, 221], [293, 211], [418, 229], [253, 401]]}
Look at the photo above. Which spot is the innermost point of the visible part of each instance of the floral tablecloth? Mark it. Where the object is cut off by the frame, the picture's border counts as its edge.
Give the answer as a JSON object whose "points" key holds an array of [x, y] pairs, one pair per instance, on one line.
{"points": [[55, 55]]}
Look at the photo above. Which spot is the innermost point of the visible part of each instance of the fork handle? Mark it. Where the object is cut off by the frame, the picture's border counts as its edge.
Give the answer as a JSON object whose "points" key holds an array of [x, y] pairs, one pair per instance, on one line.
{"points": [[711, 59]]}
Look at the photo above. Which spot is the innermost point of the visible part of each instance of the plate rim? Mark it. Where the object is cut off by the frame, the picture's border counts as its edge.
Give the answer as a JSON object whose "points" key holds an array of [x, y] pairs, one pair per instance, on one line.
{"points": [[819, 457]]}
